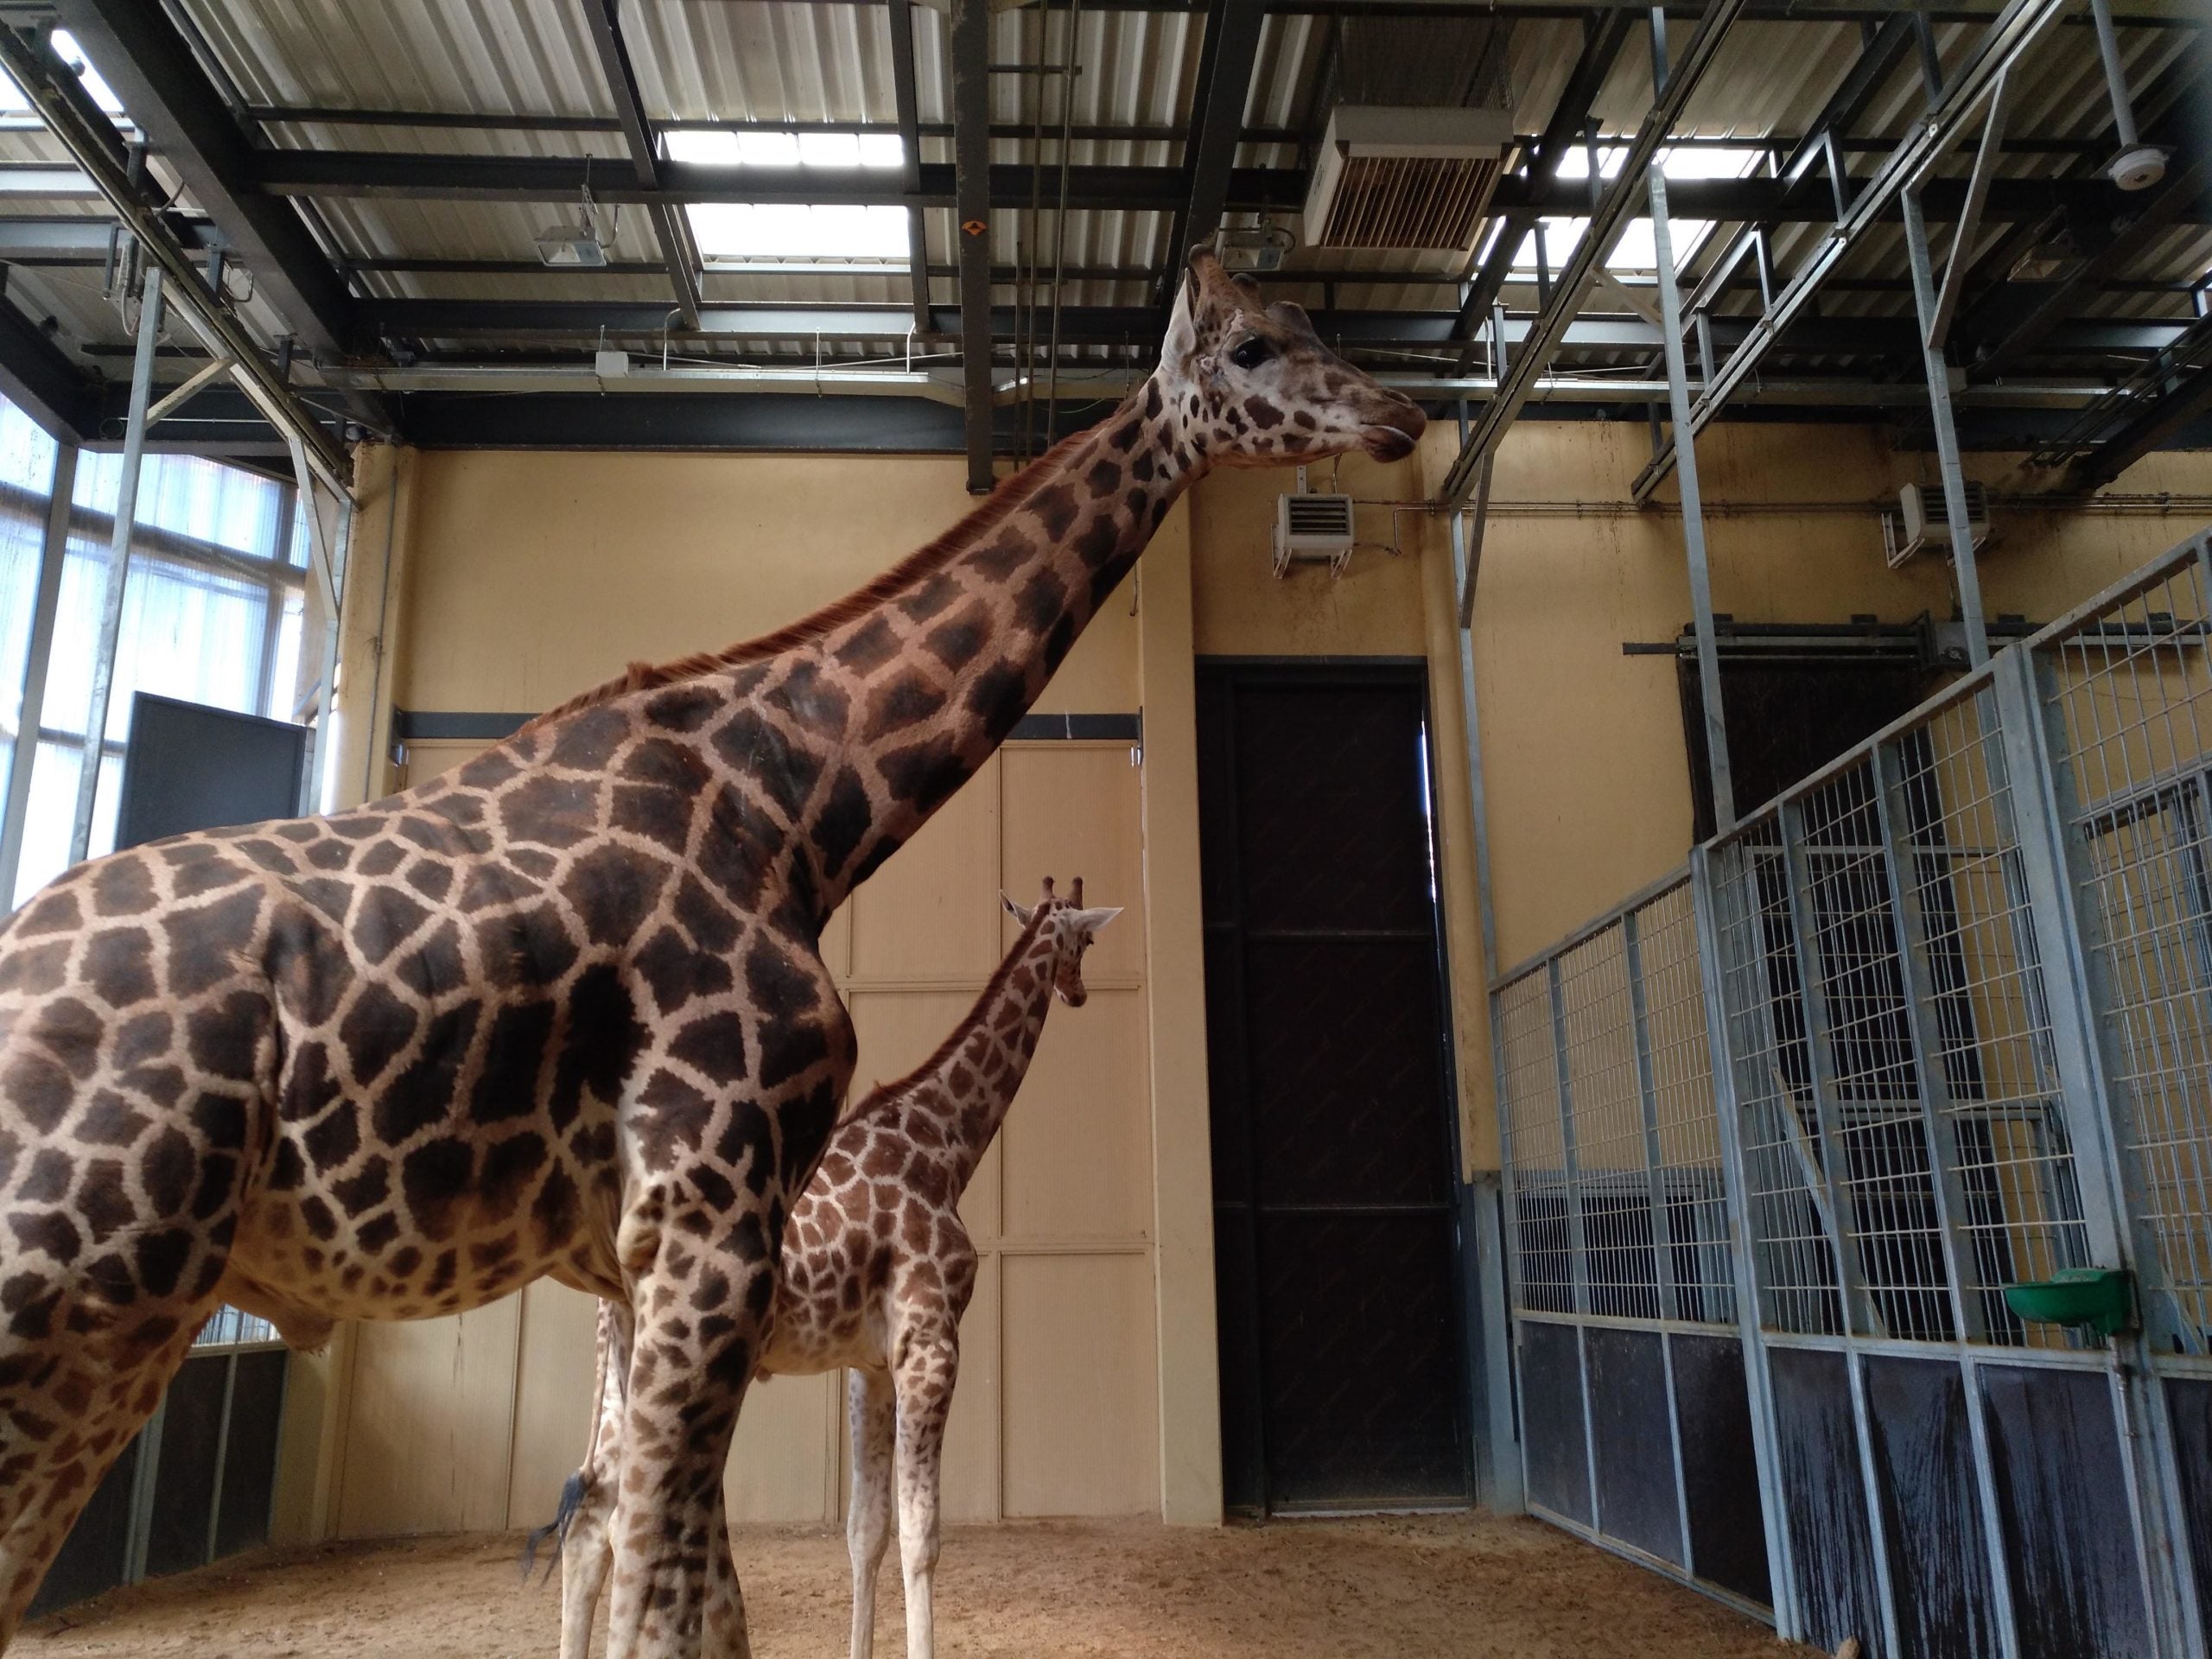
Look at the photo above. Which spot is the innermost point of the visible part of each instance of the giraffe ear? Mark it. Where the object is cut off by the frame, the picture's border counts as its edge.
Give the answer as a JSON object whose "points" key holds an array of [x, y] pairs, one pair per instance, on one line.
{"points": [[1019, 912], [1090, 921]]}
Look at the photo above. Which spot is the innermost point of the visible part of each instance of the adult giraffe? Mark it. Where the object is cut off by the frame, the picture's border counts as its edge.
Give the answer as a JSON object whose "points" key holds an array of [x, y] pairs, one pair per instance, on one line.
{"points": [[562, 1011]]}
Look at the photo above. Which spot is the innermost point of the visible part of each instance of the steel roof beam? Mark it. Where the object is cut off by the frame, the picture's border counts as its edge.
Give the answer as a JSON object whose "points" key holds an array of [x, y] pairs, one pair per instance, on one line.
{"points": [[1601, 45], [1226, 57], [141, 55], [90, 140], [559, 179], [39, 377], [1922, 147], [669, 228], [908, 98], [973, 187], [2187, 397], [1609, 216]]}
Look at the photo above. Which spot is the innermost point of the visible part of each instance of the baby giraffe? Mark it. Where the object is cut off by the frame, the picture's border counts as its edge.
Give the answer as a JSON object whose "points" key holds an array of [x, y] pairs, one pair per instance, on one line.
{"points": [[877, 1270]]}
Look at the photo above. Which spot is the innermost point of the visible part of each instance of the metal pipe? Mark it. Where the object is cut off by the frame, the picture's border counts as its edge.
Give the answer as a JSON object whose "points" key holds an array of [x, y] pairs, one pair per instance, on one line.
{"points": [[1678, 398], [30, 712], [2123, 108], [1938, 370], [1060, 229], [118, 564]]}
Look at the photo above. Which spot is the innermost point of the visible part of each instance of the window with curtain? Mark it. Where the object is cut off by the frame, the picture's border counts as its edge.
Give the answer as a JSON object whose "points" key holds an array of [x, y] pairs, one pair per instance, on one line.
{"points": [[211, 614]]}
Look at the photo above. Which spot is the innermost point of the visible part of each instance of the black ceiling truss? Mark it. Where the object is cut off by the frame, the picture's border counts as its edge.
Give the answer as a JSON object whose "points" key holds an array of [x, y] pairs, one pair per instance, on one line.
{"points": [[259, 200], [671, 229]]}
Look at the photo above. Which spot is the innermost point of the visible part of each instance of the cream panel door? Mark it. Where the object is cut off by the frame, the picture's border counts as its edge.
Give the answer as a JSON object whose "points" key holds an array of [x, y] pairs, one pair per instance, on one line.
{"points": [[932, 913], [554, 1402], [432, 1420], [1071, 809], [783, 1464], [1081, 1429], [1078, 1141]]}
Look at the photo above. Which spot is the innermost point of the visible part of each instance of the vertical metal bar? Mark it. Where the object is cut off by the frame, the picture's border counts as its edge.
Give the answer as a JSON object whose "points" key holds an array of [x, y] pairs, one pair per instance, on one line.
{"points": [[1773, 1513], [1860, 1315], [1662, 1236], [1947, 433], [325, 743], [139, 1527], [1678, 398], [899, 14], [1917, 978], [222, 1449], [272, 628], [2123, 108], [119, 565], [1578, 1253], [971, 145], [1502, 1300], [1463, 584], [1918, 981], [31, 711], [2055, 869]]}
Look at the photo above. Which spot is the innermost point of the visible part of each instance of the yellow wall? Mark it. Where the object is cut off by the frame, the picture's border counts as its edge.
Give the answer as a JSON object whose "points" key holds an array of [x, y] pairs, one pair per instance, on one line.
{"points": [[1089, 1384]]}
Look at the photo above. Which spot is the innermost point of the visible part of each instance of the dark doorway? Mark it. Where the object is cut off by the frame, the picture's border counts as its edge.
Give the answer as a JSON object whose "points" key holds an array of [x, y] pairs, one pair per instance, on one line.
{"points": [[1788, 718], [1335, 1228]]}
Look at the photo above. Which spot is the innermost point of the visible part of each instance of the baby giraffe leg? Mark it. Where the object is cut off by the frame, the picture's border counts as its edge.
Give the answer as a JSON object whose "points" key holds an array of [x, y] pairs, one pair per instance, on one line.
{"points": [[586, 1548], [928, 1365], [871, 1410]]}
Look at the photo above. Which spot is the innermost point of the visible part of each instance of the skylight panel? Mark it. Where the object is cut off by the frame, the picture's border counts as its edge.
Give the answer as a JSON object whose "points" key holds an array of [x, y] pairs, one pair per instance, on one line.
{"points": [[742, 232], [1635, 252], [13, 102]]}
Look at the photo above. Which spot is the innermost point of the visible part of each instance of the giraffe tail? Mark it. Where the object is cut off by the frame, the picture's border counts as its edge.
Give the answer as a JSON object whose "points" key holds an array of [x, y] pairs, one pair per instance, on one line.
{"points": [[572, 1499]]}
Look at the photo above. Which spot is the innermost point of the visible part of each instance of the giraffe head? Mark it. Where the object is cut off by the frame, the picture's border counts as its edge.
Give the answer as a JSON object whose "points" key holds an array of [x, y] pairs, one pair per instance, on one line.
{"points": [[1251, 385], [1067, 929]]}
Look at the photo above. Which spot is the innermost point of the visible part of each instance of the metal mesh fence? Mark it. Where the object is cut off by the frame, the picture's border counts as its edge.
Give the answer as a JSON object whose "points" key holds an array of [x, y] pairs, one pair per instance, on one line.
{"points": [[1906, 1144], [2128, 689], [1619, 1208]]}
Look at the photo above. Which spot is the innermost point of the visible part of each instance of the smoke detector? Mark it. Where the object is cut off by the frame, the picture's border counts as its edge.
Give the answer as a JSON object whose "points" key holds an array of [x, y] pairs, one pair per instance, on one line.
{"points": [[1406, 178], [2138, 169]]}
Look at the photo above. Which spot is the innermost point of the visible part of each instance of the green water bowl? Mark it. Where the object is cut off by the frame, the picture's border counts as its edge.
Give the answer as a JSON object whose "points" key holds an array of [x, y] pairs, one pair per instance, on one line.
{"points": [[2103, 1299]]}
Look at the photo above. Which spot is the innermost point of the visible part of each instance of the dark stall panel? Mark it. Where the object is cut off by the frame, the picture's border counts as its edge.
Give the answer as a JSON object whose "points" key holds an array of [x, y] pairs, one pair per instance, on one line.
{"points": [[1720, 1475], [249, 1462], [1824, 1499], [91, 1558], [2068, 1529], [1939, 1557], [184, 1480], [1635, 1453], [2189, 1403], [1552, 1431]]}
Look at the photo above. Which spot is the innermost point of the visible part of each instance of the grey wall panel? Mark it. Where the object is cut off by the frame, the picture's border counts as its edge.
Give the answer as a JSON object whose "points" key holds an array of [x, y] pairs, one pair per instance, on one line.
{"points": [[1553, 1439], [1939, 1557], [1634, 1452], [1721, 1478], [1831, 1542]]}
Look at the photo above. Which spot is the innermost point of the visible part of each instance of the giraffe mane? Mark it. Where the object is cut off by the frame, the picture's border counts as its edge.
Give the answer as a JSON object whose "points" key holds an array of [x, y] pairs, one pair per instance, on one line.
{"points": [[932, 556], [880, 1098]]}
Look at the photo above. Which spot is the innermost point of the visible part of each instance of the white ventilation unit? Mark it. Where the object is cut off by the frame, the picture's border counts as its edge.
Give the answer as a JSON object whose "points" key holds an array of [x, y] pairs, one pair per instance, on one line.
{"points": [[1313, 529], [1401, 178], [1922, 520]]}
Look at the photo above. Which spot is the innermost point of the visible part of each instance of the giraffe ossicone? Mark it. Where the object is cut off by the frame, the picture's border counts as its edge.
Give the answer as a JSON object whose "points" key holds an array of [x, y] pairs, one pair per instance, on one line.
{"points": [[878, 1270], [562, 1011]]}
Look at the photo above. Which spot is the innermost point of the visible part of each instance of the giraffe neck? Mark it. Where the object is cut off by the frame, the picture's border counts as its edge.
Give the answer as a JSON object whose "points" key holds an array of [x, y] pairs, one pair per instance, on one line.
{"points": [[980, 1071], [949, 660]]}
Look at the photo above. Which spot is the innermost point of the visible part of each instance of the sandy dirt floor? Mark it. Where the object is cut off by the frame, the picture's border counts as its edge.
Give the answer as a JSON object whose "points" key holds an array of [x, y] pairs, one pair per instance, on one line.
{"points": [[1467, 1586]]}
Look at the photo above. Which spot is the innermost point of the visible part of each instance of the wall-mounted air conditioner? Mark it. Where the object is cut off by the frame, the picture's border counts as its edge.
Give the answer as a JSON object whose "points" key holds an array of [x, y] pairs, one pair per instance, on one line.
{"points": [[1922, 520], [1313, 529], [1405, 178]]}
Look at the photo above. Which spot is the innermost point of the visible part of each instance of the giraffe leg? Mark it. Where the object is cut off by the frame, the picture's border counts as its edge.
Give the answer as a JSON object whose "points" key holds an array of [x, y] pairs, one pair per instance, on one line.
{"points": [[68, 1407], [676, 1590], [926, 1368], [584, 1540], [872, 1411]]}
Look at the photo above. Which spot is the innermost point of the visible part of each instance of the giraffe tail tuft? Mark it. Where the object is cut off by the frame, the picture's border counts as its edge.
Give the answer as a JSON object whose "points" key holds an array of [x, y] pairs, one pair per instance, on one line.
{"points": [[572, 1499]]}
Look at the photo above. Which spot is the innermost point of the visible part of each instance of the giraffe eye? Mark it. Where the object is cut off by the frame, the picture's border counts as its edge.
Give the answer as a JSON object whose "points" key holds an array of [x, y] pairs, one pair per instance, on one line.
{"points": [[1249, 353]]}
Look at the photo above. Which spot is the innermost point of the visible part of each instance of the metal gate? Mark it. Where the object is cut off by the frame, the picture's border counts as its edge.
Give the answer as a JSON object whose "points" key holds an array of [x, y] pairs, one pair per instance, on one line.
{"points": [[1961, 983]]}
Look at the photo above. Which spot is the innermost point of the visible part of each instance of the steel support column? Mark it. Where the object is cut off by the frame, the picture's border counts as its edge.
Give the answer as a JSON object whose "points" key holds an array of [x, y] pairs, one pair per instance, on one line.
{"points": [[118, 567], [1678, 399], [31, 709], [1231, 49], [1938, 370], [905, 94], [971, 148]]}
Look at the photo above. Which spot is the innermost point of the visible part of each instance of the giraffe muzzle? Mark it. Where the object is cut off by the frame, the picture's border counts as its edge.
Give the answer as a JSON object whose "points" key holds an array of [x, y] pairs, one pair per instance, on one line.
{"points": [[1396, 425]]}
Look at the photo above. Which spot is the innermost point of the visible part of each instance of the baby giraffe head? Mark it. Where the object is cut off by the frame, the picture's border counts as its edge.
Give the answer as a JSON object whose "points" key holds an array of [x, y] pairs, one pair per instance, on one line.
{"points": [[1251, 385], [1066, 929]]}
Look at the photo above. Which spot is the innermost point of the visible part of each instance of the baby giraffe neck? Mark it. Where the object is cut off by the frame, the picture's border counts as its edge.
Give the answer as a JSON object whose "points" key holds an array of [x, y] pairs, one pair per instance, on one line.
{"points": [[984, 1071]]}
